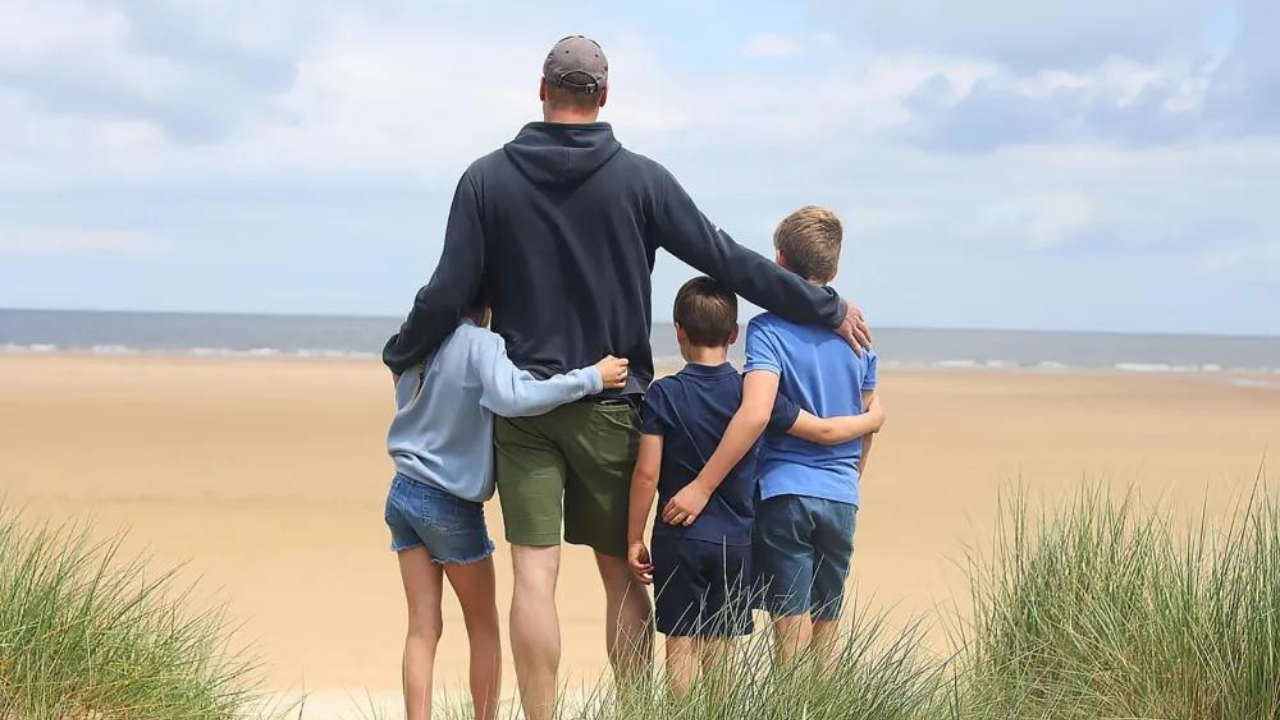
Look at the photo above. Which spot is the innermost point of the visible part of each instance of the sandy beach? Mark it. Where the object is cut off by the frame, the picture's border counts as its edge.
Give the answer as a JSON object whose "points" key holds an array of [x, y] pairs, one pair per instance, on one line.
{"points": [[267, 478]]}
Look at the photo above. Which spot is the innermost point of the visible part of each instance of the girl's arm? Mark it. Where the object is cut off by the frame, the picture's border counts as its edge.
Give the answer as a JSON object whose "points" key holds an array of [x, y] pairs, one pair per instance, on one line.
{"points": [[511, 392]]}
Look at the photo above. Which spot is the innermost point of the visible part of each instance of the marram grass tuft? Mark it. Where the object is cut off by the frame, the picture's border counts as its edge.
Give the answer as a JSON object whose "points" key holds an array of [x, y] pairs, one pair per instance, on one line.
{"points": [[87, 634]]}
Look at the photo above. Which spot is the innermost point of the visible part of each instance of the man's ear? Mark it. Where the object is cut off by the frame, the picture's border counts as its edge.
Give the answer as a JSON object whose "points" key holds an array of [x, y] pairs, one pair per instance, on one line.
{"points": [[542, 90], [781, 261], [681, 335], [604, 96], [733, 336]]}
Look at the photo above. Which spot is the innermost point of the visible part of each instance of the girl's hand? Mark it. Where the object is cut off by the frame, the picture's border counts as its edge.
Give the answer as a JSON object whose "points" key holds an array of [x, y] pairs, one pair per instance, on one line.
{"points": [[614, 372]]}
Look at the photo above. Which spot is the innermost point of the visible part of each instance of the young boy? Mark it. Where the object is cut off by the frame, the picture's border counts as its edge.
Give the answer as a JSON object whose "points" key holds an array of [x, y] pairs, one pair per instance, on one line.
{"points": [[808, 494], [442, 443], [702, 569]]}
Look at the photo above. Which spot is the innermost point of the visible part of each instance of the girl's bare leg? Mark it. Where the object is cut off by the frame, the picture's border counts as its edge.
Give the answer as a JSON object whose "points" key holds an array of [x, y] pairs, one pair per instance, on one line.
{"points": [[474, 585], [423, 581]]}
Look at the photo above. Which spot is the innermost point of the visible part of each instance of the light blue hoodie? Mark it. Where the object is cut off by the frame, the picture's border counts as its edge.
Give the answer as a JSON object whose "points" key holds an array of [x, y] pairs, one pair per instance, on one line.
{"points": [[442, 434]]}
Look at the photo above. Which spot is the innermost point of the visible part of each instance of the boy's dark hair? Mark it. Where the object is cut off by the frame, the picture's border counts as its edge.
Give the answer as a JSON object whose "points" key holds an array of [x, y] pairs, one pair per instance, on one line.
{"points": [[707, 312], [809, 240]]}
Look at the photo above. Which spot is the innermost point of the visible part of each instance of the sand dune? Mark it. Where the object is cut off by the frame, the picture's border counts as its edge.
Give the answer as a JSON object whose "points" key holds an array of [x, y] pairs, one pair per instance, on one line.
{"points": [[268, 476]]}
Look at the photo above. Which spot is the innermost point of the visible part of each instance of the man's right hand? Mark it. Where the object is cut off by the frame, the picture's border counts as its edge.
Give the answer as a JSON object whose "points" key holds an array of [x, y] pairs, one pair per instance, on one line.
{"points": [[854, 329], [640, 563], [613, 371]]}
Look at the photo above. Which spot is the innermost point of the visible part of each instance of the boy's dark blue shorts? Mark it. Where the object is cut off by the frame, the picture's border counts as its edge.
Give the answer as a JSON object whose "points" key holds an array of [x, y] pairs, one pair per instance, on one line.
{"points": [[701, 589]]}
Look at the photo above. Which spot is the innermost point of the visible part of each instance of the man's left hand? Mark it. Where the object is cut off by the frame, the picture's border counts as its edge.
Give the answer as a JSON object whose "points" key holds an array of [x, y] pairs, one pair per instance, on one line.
{"points": [[854, 329], [687, 505]]}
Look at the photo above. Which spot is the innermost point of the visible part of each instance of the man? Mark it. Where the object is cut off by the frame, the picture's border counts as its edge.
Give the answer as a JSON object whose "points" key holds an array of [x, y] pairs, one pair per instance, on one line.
{"points": [[558, 232]]}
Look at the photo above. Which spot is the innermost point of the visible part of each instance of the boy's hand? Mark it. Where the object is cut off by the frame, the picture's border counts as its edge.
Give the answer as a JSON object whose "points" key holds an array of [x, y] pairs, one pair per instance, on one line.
{"points": [[640, 563], [614, 372], [875, 412], [687, 505]]}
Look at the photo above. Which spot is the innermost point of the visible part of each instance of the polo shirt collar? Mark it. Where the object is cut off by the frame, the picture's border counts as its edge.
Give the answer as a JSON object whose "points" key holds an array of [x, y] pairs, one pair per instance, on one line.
{"points": [[709, 370]]}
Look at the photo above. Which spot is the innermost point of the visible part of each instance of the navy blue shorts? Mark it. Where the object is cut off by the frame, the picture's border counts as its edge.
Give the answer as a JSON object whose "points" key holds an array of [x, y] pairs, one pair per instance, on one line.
{"points": [[450, 528], [701, 589], [802, 550]]}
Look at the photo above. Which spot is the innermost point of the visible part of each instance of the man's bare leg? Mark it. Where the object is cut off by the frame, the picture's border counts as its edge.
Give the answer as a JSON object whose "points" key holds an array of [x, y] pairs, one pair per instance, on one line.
{"points": [[535, 628], [629, 632]]}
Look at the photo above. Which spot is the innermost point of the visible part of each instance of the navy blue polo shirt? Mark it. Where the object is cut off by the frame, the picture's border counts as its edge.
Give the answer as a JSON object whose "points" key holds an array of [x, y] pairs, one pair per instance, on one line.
{"points": [[691, 411]]}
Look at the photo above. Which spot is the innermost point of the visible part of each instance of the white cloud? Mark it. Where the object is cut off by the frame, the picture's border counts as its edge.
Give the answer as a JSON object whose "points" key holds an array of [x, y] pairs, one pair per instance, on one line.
{"points": [[772, 45], [1094, 150], [56, 242]]}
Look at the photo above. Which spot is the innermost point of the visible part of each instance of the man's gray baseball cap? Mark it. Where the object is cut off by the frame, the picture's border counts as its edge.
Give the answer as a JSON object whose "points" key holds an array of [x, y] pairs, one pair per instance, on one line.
{"points": [[577, 63]]}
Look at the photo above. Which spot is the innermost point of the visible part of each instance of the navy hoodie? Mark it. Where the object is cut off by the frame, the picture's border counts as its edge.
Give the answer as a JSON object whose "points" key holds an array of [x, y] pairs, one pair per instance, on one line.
{"points": [[557, 232]]}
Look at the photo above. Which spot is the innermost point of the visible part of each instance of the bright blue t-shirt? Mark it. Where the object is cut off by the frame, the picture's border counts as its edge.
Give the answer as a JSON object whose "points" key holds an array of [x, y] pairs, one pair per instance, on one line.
{"points": [[823, 375], [691, 410]]}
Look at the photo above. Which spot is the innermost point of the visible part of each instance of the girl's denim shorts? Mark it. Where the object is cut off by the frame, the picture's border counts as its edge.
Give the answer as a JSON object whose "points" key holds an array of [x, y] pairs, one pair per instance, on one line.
{"points": [[450, 528]]}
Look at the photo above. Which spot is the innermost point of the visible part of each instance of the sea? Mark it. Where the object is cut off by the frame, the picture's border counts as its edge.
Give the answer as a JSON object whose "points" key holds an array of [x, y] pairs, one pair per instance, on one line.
{"points": [[312, 336]]}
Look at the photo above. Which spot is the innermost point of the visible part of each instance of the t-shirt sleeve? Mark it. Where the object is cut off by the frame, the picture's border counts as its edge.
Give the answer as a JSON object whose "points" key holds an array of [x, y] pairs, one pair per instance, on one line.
{"points": [[784, 415], [762, 349], [655, 416], [869, 377]]}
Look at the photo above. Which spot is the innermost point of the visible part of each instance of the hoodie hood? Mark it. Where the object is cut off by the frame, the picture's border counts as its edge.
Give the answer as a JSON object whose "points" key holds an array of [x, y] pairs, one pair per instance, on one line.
{"points": [[562, 154]]}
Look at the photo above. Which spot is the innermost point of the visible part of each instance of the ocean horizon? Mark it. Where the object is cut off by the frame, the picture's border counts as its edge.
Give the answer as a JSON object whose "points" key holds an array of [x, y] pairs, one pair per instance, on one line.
{"points": [[108, 332]]}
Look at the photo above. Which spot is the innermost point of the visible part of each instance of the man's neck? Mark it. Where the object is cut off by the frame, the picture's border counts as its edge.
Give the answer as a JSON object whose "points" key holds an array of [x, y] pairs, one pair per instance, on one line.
{"points": [[565, 117], [707, 356]]}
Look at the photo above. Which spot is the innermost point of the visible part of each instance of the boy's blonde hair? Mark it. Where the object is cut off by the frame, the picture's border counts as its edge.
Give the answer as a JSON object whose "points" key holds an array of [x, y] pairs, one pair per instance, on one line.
{"points": [[809, 241]]}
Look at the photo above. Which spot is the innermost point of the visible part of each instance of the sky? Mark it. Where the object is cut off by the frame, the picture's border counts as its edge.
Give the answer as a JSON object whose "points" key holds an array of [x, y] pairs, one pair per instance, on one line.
{"points": [[1083, 165]]}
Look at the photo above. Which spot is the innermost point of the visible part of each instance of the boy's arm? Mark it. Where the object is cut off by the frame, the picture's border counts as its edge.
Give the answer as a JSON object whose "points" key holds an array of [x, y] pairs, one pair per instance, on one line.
{"points": [[868, 397], [759, 390], [644, 486], [843, 429], [511, 392]]}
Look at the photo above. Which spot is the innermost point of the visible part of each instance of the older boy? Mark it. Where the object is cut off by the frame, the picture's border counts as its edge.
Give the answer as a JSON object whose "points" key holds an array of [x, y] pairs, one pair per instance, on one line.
{"points": [[809, 496], [702, 570]]}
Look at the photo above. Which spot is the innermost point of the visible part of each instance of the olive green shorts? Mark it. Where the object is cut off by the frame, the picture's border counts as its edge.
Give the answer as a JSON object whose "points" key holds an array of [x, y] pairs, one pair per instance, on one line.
{"points": [[571, 465]]}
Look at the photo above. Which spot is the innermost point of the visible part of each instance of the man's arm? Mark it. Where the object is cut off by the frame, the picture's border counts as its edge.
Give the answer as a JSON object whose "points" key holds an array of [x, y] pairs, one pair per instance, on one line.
{"points": [[453, 286], [839, 430], [759, 390], [644, 485], [686, 233]]}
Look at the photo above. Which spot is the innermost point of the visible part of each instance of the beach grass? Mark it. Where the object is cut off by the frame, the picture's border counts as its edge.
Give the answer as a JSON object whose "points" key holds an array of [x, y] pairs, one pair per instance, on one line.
{"points": [[86, 633], [1098, 607], [1105, 609]]}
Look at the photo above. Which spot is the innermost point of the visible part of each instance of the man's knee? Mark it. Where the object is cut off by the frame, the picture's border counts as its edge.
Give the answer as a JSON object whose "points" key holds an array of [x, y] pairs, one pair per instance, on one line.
{"points": [[535, 569]]}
